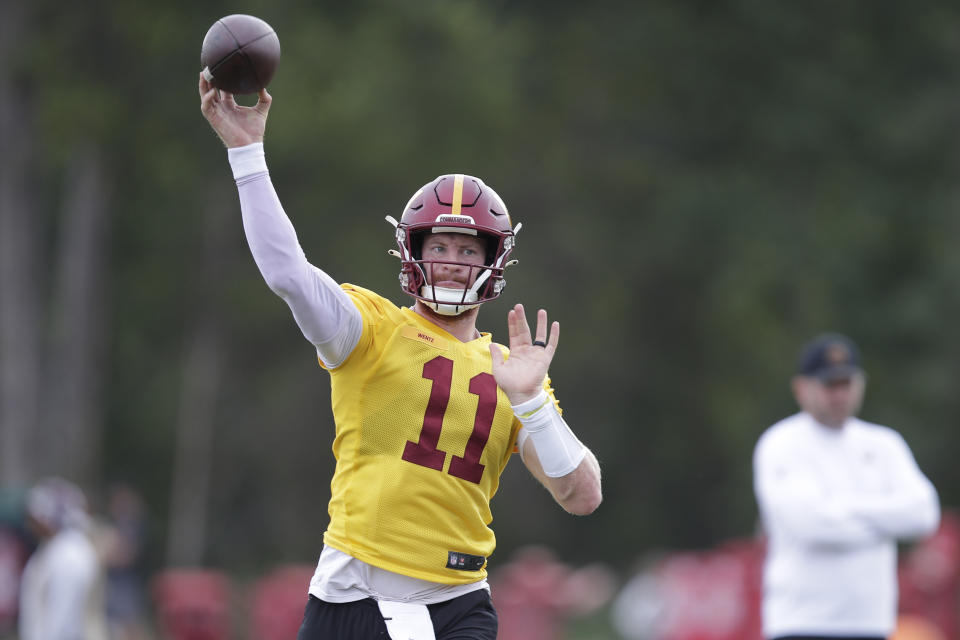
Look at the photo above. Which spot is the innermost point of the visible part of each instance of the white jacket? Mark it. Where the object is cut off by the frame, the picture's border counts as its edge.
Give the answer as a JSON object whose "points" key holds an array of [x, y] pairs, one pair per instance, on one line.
{"points": [[833, 503], [62, 590]]}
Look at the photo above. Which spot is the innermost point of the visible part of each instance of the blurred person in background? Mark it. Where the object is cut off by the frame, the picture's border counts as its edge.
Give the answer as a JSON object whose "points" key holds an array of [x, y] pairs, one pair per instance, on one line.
{"points": [[427, 408], [835, 494], [62, 589], [123, 551]]}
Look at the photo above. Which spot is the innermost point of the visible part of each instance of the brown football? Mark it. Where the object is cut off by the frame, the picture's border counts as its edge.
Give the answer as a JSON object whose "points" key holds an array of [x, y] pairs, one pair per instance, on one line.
{"points": [[240, 54]]}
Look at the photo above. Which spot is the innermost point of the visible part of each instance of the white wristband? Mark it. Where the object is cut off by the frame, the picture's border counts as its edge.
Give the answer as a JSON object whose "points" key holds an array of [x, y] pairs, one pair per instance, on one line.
{"points": [[247, 160], [557, 448]]}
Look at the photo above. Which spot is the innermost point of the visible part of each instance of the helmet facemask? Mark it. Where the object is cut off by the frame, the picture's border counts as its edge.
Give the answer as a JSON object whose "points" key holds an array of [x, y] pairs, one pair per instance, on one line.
{"points": [[484, 281], [481, 214]]}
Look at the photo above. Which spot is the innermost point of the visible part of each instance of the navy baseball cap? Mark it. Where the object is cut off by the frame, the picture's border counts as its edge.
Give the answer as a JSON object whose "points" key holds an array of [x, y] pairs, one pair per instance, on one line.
{"points": [[829, 357]]}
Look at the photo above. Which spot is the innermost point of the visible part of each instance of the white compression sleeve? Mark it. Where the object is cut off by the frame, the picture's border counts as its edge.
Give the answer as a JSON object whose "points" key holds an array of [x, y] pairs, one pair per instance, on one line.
{"points": [[323, 311], [557, 447], [248, 160]]}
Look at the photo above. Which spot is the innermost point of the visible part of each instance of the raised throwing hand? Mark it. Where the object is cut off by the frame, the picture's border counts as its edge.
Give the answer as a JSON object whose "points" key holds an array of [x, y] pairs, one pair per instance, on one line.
{"points": [[236, 125]]}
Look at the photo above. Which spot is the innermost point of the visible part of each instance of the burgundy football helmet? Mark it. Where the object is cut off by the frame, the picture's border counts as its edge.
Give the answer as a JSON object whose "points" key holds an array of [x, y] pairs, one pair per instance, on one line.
{"points": [[454, 203]]}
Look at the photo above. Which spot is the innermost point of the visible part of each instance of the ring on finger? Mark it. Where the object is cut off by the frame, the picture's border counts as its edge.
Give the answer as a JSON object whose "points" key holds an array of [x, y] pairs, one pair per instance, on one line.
{"points": [[540, 343]]}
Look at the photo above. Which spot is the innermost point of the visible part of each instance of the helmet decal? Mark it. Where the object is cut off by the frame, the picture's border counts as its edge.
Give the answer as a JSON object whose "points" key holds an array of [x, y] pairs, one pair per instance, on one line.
{"points": [[457, 194]]}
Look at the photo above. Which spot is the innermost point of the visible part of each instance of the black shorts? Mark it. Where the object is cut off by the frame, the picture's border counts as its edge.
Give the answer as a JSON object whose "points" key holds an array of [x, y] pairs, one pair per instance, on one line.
{"points": [[469, 617]]}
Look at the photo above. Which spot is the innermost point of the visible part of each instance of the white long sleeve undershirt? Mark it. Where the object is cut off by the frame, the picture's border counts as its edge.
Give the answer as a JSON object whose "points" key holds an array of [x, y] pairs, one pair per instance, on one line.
{"points": [[323, 311]]}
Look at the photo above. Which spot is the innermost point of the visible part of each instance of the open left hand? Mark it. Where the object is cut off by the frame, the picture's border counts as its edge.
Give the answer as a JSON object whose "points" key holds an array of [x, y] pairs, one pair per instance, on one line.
{"points": [[521, 375]]}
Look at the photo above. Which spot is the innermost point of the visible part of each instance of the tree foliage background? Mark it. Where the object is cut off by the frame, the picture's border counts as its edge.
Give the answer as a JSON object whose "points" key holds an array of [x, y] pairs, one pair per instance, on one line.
{"points": [[703, 186]]}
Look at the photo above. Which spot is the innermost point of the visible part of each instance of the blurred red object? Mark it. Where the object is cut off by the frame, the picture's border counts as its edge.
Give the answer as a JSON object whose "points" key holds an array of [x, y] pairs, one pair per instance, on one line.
{"points": [[695, 595], [192, 604], [278, 601], [13, 556], [929, 577], [710, 595], [535, 594]]}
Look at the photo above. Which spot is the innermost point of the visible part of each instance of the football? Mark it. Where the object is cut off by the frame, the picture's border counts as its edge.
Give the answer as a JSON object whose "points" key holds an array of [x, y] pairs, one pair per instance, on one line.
{"points": [[240, 54]]}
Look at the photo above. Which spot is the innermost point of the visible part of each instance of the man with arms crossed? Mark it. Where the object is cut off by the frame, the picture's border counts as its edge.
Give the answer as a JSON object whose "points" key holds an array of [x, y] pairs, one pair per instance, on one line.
{"points": [[835, 493], [427, 408]]}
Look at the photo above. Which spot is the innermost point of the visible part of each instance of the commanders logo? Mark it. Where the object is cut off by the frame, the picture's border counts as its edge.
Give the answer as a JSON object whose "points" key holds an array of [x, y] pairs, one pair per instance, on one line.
{"points": [[455, 219]]}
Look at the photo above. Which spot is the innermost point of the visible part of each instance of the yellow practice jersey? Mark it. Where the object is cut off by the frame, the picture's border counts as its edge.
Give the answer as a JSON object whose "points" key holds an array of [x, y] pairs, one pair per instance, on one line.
{"points": [[423, 433]]}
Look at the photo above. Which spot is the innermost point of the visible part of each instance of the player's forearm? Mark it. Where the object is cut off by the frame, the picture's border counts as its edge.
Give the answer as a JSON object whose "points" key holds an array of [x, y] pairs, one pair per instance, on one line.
{"points": [[324, 313], [270, 234], [579, 492]]}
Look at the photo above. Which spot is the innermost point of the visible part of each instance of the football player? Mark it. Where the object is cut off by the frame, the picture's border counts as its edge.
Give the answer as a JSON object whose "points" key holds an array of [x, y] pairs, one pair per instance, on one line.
{"points": [[428, 409]]}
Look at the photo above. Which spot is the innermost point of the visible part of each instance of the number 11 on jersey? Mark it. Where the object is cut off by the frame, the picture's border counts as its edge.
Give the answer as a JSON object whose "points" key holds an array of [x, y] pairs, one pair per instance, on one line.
{"points": [[424, 452]]}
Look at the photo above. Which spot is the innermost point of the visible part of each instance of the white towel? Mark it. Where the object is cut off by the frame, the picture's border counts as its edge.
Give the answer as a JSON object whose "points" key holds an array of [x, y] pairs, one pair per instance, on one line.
{"points": [[406, 621]]}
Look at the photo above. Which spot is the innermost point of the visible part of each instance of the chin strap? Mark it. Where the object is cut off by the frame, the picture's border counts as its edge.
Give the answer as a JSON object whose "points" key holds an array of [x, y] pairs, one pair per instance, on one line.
{"points": [[449, 302]]}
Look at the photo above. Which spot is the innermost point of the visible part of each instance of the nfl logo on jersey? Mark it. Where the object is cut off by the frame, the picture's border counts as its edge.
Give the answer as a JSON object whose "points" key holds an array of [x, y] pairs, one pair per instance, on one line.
{"points": [[464, 561]]}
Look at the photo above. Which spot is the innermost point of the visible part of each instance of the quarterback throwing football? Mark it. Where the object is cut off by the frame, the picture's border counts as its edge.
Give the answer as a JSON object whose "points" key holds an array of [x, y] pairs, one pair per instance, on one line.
{"points": [[428, 409]]}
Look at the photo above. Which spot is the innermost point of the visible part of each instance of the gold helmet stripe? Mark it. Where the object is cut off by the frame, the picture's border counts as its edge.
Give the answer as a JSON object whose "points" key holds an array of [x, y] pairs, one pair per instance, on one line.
{"points": [[457, 194]]}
